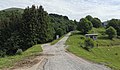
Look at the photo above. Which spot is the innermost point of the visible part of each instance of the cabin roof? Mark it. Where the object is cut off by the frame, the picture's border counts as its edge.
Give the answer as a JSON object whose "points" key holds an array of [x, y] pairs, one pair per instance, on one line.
{"points": [[91, 34]]}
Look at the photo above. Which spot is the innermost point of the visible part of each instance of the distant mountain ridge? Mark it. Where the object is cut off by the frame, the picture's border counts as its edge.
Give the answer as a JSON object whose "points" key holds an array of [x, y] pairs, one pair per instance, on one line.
{"points": [[13, 8]]}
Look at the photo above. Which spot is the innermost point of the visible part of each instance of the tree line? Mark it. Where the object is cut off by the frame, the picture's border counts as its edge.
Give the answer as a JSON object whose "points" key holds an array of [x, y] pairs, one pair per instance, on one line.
{"points": [[22, 30], [62, 24], [87, 23]]}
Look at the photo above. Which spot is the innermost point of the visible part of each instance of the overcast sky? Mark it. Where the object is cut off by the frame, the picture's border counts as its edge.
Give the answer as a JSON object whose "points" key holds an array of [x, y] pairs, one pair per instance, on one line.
{"points": [[74, 9]]}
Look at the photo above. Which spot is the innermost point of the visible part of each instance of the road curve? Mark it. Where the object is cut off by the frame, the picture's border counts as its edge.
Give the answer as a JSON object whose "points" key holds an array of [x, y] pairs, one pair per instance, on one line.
{"points": [[58, 59]]}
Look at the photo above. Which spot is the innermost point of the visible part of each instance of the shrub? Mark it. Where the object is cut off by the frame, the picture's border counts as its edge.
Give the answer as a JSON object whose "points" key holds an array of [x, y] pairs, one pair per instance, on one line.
{"points": [[111, 32], [82, 37], [88, 44], [2, 53], [19, 51]]}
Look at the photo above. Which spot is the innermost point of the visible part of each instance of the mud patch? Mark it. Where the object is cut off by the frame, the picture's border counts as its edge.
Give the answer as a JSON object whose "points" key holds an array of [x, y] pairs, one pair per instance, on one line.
{"points": [[26, 63]]}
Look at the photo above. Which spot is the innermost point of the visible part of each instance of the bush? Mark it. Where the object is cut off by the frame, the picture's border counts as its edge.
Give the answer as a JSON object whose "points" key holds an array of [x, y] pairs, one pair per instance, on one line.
{"points": [[19, 51], [82, 37], [111, 32], [88, 44], [2, 53]]}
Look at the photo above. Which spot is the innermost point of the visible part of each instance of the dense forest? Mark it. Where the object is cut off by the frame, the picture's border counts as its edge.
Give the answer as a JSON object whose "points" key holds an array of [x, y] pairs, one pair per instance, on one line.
{"points": [[21, 29], [62, 24]]}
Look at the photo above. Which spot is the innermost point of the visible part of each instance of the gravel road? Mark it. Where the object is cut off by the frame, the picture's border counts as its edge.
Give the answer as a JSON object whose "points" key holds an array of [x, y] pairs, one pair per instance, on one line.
{"points": [[58, 59]]}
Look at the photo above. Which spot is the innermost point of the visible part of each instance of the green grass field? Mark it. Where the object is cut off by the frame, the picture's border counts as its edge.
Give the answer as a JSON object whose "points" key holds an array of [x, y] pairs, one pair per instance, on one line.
{"points": [[11, 60], [107, 42], [109, 56]]}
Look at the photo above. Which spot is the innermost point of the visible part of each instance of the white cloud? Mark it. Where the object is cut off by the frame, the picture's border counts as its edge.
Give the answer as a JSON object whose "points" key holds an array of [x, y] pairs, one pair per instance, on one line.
{"points": [[75, 9]]}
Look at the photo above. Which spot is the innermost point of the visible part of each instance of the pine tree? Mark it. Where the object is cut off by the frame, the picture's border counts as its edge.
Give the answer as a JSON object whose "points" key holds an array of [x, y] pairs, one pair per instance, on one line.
{"points": [[45, 29]]}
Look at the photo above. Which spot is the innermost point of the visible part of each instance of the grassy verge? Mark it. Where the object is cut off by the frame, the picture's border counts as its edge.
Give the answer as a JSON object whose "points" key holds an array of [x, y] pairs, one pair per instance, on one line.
{"points": [[109, 56], [11, 60], [55, 41]]}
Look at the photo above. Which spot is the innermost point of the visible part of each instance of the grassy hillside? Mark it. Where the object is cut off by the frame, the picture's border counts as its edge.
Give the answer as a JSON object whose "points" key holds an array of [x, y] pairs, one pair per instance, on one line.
{"points": [[106, 55], [14, 9], [103, 38], [11, 60]]}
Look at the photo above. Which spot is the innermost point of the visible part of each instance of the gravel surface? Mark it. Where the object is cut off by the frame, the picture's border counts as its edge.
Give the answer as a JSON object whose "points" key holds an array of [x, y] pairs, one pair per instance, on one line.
{"points": [[57, 59]]}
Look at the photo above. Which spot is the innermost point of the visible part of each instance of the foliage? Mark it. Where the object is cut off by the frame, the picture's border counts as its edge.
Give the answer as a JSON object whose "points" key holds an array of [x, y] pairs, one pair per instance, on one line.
{"points": [[19, 51], [100, 31], [84, 25], [111, 32], [89, 17], [23, 30], [36, 26], [63, 23], [89, 43], [2, 53], [115, 23], [9, 31], [96, 22], [13, 9], [59, 32]]}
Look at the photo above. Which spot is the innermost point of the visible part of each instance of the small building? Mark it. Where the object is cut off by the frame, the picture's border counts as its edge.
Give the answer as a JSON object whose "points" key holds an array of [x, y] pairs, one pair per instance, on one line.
{"points": [[93, 36], [57, 36], [104, 24]]}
